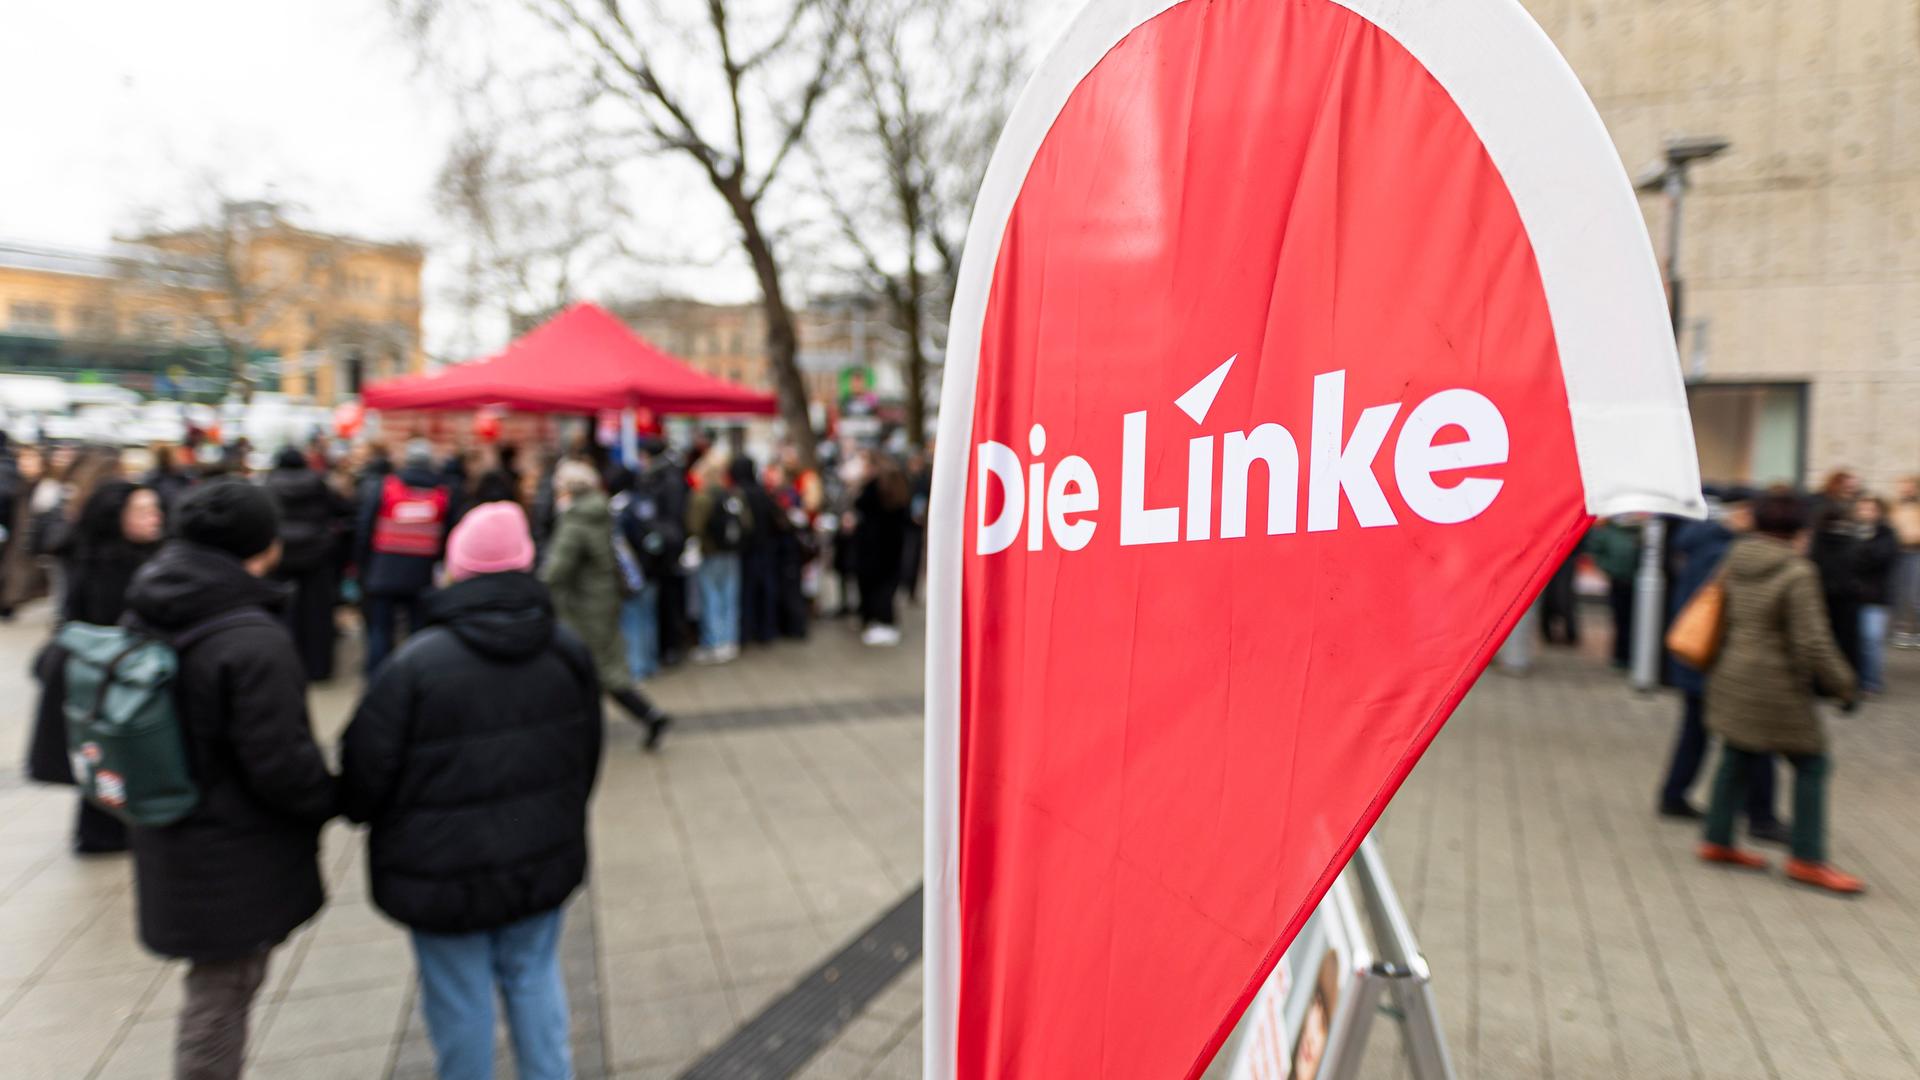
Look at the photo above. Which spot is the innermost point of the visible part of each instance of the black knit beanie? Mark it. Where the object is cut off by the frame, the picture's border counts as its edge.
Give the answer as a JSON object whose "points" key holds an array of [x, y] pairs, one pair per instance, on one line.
{"points": [[232, 515]]}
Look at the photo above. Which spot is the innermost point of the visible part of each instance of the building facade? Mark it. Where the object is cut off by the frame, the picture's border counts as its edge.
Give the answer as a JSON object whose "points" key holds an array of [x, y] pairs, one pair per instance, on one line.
{"points": [[314, 315], [1801, 243]]}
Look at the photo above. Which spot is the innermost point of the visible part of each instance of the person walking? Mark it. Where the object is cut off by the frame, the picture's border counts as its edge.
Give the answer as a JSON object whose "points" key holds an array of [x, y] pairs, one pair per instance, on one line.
{"points": [[1874, 561], [1778, 645], [1905, 519], [472, 758], [879, 544], [120, 528], [312, 521], [581, 572], [226, 885], [1699, 548], [719, 519], [403, 524]]}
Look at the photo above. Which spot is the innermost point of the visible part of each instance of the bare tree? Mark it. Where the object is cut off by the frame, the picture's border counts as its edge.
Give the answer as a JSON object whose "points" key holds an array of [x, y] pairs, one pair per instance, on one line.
{"points": [[934, 82], [218, 273], [731, 87], [528, 235]]}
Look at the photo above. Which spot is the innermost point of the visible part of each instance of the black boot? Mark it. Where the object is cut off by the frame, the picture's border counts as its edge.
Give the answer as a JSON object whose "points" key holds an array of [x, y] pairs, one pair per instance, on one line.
{"points": [[644, 712]]}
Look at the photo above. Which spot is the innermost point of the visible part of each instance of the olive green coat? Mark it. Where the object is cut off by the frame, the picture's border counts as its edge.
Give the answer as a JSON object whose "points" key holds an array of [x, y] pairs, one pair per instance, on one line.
{"points": [[1778, 645], [585, 582]]}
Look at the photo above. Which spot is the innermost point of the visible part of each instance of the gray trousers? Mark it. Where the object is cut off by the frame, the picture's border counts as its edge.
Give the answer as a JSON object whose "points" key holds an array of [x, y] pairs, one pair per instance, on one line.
{"points": [[212, 1042]]}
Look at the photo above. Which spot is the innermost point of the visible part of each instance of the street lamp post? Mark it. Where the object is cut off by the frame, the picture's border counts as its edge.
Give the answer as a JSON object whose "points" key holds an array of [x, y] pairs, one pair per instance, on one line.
{"points": [[1668, 178]]}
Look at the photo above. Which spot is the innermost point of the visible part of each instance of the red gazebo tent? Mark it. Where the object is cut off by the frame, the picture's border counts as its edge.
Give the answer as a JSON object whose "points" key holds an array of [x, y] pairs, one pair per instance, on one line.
{"points": [[583, 360]]}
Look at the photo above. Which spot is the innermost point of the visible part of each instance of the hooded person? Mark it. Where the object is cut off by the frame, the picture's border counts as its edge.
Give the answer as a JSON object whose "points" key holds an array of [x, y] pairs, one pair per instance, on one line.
{"points": [[403, 523], [119, 529], [227, 884], [313, 518], [584, 575], [472, 758]]}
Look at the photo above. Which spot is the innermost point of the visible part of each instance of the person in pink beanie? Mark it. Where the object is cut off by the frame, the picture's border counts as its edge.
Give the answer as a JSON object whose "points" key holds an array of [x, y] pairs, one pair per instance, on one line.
{"points": [[492, 539], [472, 758]]}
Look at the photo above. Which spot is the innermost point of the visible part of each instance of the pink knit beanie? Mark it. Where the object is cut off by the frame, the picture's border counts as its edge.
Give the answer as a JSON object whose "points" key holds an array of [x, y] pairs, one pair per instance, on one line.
{"points": [[492, 539]]}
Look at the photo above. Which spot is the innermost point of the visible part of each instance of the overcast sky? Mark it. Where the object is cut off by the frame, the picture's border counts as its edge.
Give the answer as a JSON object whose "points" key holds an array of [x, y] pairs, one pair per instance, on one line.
{"points": [[117, 106]]}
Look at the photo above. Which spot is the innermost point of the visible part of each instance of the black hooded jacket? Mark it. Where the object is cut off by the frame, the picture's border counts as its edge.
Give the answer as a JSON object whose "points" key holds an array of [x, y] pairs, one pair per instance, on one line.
{"points": [[241, 872], [312, 519], [472, 757]]}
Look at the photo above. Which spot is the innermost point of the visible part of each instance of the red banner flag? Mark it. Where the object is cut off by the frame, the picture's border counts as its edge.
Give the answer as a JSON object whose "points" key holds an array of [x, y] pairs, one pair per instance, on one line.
{"points": [[1296, 345]]}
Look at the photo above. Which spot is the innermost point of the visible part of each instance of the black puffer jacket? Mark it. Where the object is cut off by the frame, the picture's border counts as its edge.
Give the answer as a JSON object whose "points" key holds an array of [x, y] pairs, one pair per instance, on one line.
{"points": [[473, 756], [241, 872], [312, 519]]}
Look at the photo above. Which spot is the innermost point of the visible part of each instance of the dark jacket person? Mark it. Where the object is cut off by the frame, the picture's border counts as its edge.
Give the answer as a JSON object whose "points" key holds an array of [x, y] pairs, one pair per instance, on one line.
{"points": [[472, 757], [226, 885], [1778, 647], [313, 520]]}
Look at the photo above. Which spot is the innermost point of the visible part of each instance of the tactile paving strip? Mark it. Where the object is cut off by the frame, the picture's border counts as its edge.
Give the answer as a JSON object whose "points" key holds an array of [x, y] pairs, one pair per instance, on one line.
{"points": [[788, 1033]]}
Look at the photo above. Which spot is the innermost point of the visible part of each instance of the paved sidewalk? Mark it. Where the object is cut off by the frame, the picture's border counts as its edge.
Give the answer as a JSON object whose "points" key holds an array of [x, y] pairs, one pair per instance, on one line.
{"points": [[1571, 932]]}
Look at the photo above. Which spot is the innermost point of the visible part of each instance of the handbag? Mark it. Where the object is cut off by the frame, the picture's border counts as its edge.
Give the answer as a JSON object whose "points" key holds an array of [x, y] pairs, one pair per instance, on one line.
{"points": [[1696, 634]]}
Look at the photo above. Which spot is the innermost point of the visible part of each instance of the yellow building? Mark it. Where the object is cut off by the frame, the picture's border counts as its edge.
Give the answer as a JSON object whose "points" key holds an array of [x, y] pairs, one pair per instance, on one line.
{"points": [[317, 315], [1801, 243]]}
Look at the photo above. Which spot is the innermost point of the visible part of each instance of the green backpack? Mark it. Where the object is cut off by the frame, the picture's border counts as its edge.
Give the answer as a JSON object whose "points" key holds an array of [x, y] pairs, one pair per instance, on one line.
{"points": [[124, 737]]}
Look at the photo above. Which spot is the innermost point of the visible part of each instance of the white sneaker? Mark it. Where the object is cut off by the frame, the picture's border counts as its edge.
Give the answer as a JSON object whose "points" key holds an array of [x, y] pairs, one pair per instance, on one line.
{"points": [[726, 654], [704, 655], [881, 636]]}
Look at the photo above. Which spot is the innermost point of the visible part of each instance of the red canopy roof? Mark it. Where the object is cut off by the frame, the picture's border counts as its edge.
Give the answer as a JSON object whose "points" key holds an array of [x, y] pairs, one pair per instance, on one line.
{"points": [[583, 360]]}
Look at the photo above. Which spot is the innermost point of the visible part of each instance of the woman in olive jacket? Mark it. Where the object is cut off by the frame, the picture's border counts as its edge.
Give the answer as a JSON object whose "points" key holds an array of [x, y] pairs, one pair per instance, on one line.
{"points": [[1778, 647], [584, 577]]}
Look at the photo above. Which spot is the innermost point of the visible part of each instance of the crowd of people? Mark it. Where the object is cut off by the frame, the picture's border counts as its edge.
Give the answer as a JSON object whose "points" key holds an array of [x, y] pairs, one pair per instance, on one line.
{"points": [[501, 607]]}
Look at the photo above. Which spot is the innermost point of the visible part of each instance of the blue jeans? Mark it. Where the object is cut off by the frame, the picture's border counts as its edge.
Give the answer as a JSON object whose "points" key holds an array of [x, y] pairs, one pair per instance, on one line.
{"points": [[1874, 620], [719, 581], [382, 613], [640, 625], [458, 976]]}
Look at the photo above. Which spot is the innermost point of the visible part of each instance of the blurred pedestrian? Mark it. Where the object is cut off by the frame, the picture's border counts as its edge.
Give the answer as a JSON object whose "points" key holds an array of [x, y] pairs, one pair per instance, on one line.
{"points": [[795, 549], [404, 519], [654, 532], [1875, 554], [472, 758], [719, 521], [314, 521], [498, 480], [21, 575], [13, 492], [1835, 550], [226, 885], [1615, 547], [1905, 519], [759, 566], [582, 572], [119, 530], [919, 499], [1778, 644], [169, 477], [879, 543], [1560, 604], [1699, 549]]}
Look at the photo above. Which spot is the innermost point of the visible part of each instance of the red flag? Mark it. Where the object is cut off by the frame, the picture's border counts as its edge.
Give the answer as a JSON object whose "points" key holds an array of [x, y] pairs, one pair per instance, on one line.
{"points": [[1296, 345]]}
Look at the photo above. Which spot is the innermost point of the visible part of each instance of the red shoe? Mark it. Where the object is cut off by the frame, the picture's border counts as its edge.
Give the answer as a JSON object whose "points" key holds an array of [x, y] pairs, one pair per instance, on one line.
{"points": [[1823, 876], [1732, 856]]}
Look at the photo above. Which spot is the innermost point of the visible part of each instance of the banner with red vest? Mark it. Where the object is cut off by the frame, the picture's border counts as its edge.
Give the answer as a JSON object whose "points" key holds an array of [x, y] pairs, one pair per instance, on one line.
{"points": [[1297, 343]]}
